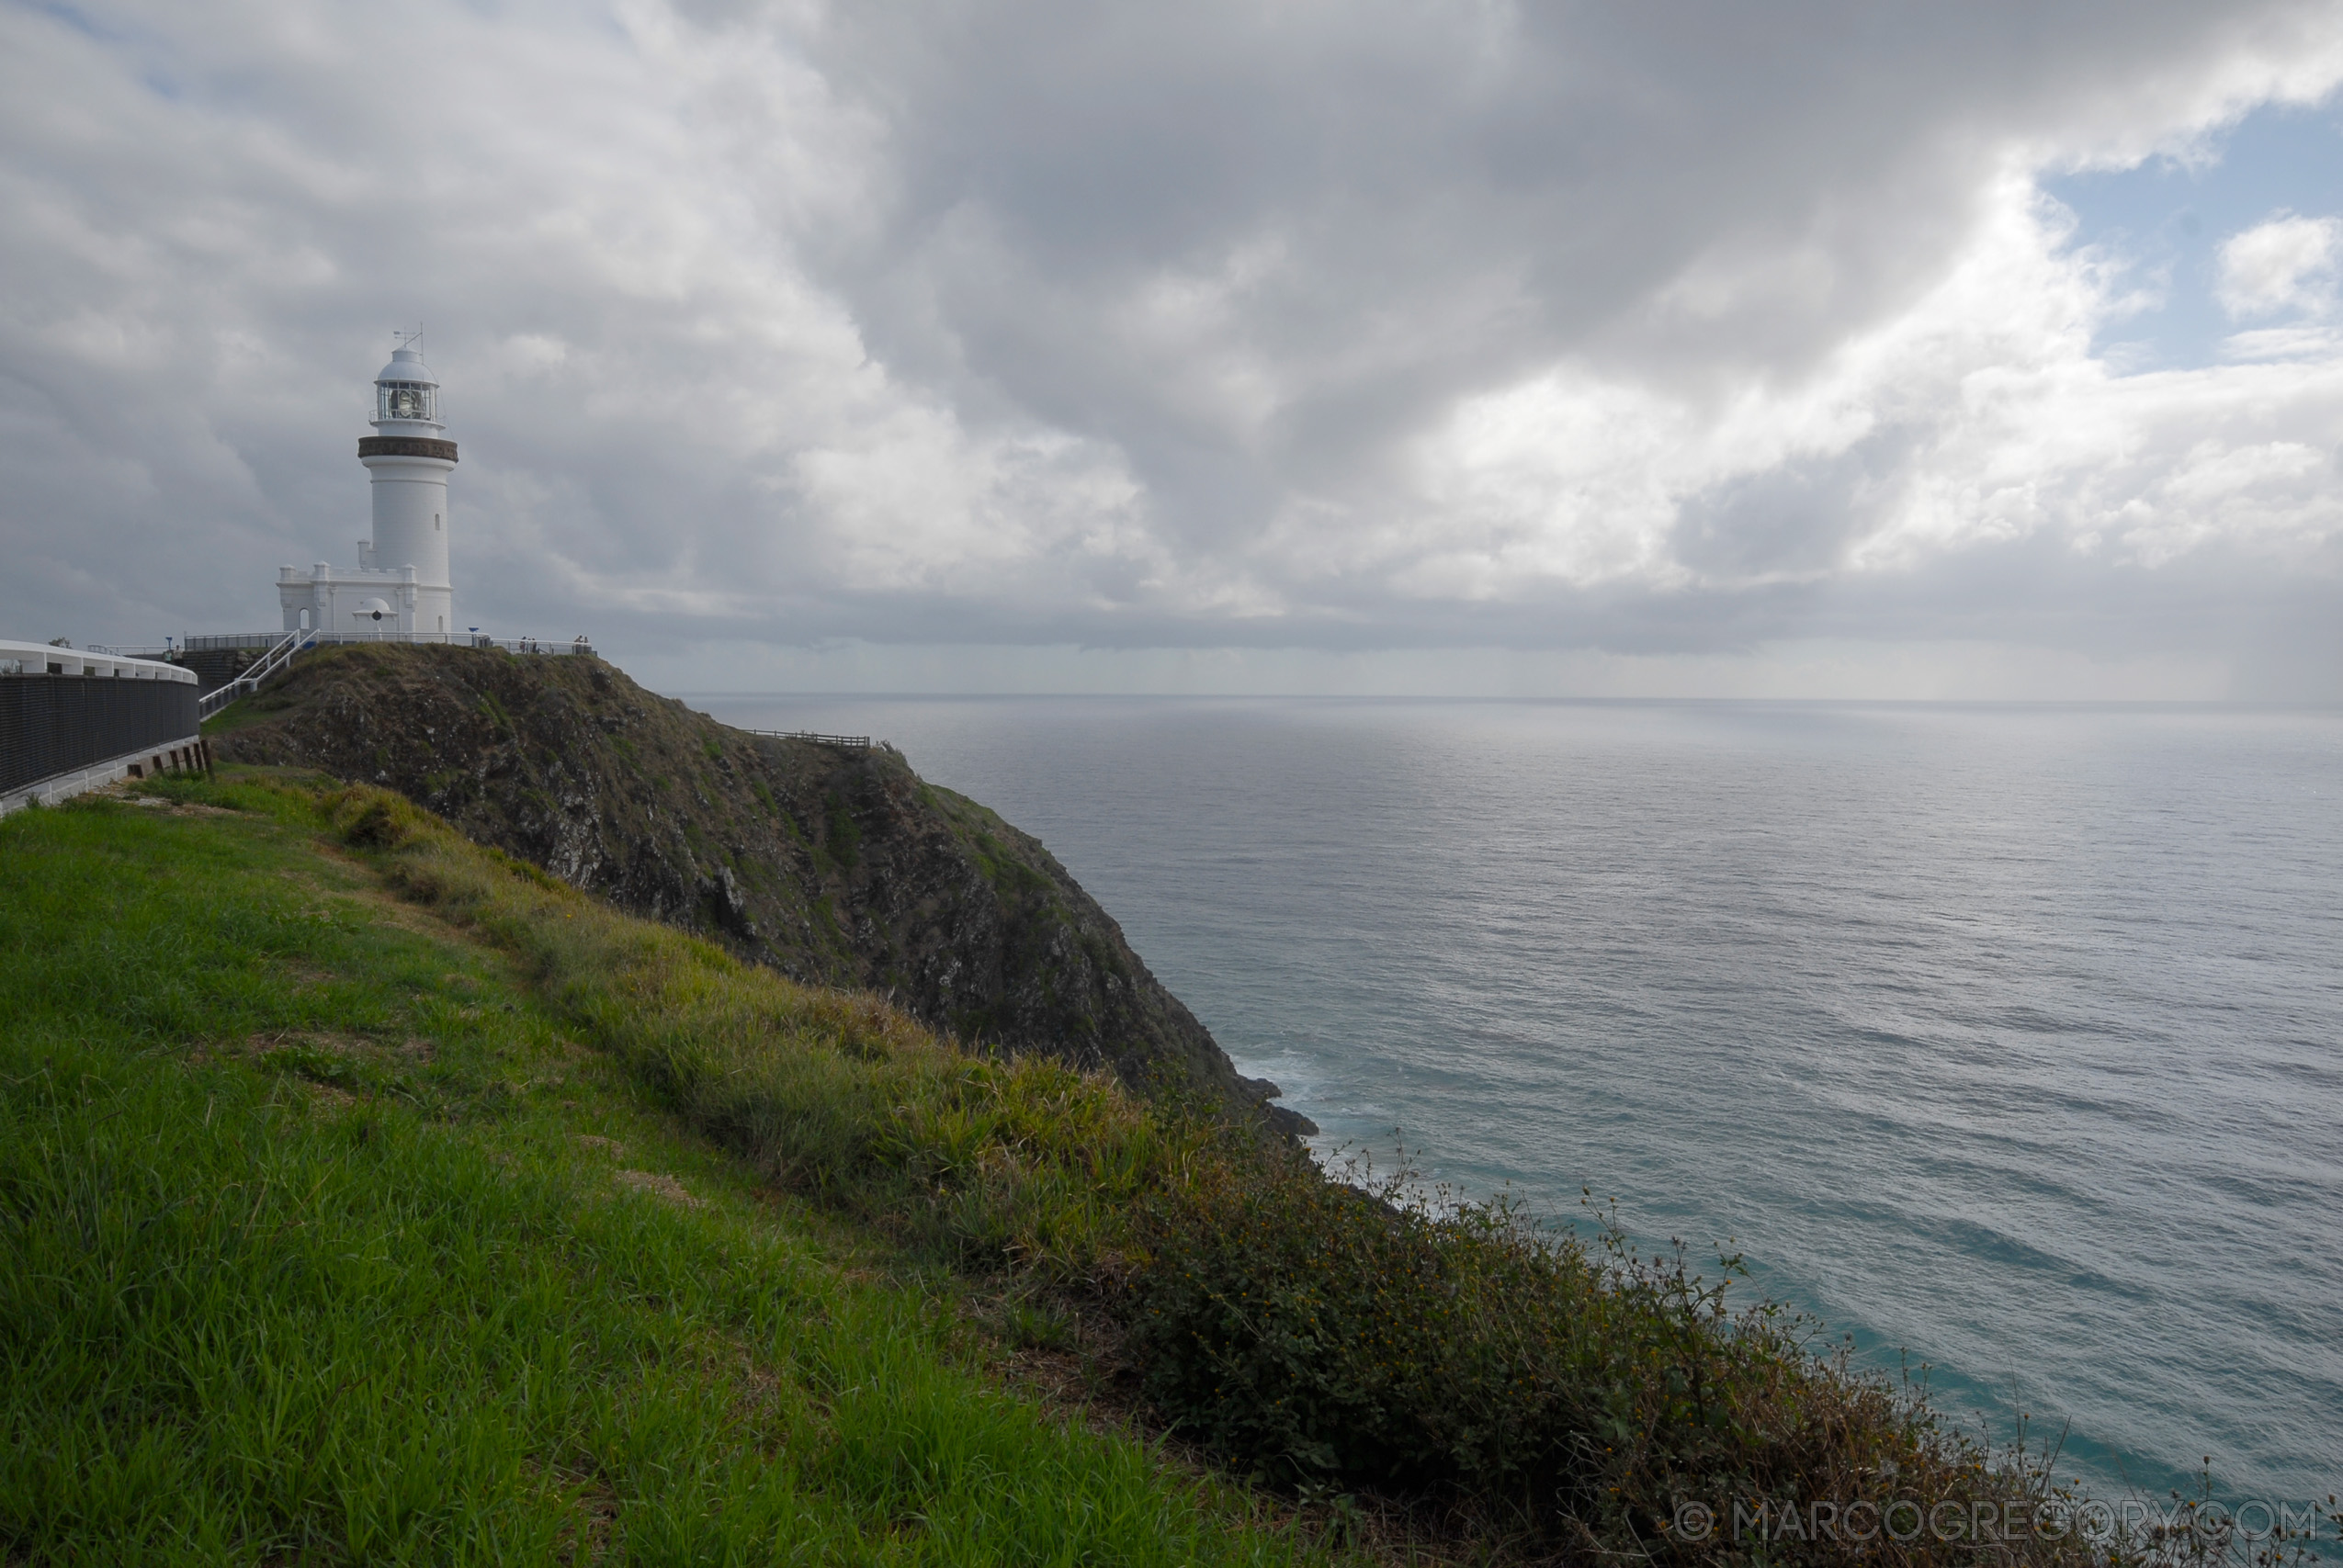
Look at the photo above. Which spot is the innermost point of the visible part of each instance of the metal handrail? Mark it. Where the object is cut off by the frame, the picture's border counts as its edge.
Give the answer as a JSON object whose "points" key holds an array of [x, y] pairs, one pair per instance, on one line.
{"points": [[278, 658]]}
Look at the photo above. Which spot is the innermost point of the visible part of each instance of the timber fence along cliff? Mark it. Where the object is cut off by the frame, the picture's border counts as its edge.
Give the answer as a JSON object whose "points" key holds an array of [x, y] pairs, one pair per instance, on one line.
{"points": [[859, 743], [73, 718]]}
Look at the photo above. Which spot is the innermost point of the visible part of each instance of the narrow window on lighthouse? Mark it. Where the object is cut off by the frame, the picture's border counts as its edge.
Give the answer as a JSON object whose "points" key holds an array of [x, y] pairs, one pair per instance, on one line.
{"points": [[434, 521]]}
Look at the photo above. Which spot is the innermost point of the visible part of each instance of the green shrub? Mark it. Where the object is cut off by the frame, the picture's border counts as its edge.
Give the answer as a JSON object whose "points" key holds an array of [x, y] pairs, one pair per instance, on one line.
{"points": [[1338, 1336]]}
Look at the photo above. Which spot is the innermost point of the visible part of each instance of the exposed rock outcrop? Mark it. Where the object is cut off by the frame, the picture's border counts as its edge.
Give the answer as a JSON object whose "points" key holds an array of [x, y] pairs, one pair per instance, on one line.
{"points": [[836, 865]]}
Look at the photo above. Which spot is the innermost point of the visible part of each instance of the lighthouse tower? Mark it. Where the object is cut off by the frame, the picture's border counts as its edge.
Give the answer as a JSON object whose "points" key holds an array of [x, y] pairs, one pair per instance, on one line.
{"points": [[401, 586]]}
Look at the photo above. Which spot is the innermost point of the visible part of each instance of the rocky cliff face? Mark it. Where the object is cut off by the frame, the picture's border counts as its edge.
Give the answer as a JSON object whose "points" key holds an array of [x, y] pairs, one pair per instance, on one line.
{"points": [[836, 865]]}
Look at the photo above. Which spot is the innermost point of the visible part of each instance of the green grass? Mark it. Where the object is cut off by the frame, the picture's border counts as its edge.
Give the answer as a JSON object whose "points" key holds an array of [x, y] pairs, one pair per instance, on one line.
{"points": [[325, 1236], [319, 1239], [1323, 1337]]}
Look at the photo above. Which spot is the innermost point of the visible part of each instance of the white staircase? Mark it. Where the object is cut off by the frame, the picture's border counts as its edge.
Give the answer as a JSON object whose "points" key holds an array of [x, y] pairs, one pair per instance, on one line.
{"points": [[275, 663]]}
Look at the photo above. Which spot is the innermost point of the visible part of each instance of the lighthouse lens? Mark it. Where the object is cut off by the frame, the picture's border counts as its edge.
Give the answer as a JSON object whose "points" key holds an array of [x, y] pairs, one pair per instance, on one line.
{"points": [[398, 401]]}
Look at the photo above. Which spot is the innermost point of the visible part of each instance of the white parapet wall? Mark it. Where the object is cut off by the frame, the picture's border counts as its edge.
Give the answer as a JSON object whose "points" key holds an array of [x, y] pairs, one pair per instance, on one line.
{"points": [[41, 658]]}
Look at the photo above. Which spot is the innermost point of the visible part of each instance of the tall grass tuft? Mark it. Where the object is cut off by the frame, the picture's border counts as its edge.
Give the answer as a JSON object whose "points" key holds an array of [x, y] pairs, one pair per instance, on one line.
{"points": [[1021, 1162]]}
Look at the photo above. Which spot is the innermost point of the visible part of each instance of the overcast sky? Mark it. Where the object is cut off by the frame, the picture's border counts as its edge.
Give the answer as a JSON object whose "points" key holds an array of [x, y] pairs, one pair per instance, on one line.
{"points": [[1866, 348]]}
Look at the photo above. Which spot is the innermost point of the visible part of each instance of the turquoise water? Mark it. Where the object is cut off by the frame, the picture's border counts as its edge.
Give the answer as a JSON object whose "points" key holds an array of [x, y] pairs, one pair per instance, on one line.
{"points": [[2009, 1038]]}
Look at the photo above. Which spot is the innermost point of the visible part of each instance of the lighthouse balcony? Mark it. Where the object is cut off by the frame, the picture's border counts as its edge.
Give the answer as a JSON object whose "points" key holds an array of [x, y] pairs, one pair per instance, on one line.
{"points": [[427, 446]]}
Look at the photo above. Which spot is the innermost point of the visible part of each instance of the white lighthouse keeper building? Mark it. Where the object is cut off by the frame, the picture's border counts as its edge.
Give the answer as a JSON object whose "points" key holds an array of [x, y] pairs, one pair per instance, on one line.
{"points": [[400, 586]]}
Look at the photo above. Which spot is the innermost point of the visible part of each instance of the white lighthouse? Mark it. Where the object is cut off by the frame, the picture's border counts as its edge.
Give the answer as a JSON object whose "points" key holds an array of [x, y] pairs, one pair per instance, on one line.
{"points": [[400, 586]]}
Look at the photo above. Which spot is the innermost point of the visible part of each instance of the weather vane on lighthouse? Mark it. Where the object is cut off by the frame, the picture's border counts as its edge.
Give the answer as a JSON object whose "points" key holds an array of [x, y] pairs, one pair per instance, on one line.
{"points": [[400, 584]]}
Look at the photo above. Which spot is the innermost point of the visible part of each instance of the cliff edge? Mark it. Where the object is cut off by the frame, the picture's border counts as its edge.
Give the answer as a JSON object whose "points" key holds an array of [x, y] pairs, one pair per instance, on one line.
{"points": [[835, 865]]}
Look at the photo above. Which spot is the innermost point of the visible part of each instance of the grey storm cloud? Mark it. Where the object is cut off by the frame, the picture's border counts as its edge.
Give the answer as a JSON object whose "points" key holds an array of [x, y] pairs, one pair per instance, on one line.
{"points": [[1665, 328]]}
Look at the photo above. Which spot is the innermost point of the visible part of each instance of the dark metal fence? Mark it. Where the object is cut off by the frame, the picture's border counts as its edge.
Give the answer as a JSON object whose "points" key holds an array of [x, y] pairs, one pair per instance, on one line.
{"points": [[53, 724]]}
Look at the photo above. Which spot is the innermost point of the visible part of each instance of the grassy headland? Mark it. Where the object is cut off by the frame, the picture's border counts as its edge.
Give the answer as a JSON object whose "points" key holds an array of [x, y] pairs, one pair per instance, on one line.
{"points": [[836, 865], [326, 1234], [367, 1192]]}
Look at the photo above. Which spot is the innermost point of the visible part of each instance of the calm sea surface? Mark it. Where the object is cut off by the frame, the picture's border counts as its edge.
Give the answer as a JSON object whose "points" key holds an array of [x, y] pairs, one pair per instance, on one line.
{"points": [[2009, 1037]]}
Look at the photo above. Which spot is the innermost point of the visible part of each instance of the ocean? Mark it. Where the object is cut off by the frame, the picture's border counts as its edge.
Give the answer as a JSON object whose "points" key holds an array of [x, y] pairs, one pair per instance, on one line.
{"points": [[2004, 1041]]}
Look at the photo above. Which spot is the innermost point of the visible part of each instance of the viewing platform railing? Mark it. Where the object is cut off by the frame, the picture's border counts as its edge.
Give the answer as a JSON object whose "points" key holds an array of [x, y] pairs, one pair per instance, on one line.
{"points": [[222, 642], [256, 642]]}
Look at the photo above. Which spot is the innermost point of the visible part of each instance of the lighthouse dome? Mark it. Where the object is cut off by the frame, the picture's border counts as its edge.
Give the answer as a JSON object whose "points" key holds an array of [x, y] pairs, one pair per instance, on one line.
{"points": [[407, 365]]}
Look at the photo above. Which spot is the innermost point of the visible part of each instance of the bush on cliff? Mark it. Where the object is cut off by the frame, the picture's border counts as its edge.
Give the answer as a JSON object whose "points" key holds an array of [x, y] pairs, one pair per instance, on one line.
{"points": [[1379, 1334]]}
